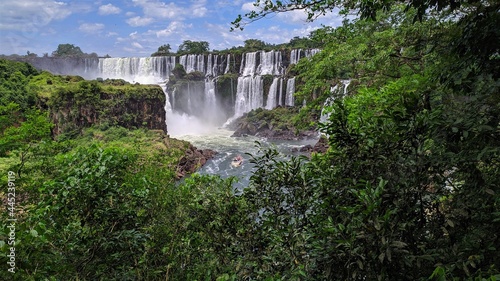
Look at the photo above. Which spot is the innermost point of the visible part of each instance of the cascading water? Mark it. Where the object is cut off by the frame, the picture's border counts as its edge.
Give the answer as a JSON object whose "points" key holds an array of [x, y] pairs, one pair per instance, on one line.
{"points": [[250, 91], [249, 94], [337, 91], [271, 97], [290, 90]]}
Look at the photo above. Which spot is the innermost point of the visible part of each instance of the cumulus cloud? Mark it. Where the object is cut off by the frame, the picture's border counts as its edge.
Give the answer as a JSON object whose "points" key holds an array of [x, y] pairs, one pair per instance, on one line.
{"points": [[109, 9], [91, 27], [172, 28], [139, 21], [31, 15]]}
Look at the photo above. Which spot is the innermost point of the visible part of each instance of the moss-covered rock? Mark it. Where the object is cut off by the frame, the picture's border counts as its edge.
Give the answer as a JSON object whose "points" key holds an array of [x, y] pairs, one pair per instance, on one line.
{"points": [[277, 123]]}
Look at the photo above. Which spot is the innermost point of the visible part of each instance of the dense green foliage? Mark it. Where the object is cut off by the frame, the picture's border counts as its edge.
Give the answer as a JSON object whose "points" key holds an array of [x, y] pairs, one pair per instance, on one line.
{"points": [[193, 47], [70, 51], [163, 50]]}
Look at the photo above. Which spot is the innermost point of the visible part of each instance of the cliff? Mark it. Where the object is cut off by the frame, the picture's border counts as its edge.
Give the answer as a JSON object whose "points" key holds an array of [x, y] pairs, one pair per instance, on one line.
{"points": [[106, 103]]}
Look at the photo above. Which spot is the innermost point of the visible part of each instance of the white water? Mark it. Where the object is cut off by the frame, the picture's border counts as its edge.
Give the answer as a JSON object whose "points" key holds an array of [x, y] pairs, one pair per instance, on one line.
{"points": [[290, 90], [271, 98], [229, 147]]}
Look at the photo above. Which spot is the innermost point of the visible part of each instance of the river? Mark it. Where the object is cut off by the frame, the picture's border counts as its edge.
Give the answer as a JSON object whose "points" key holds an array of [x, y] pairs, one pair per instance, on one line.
{"points": [[228, 147]]}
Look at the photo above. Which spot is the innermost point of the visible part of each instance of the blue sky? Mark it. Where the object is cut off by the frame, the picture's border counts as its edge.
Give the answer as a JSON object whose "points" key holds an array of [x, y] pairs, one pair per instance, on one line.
{"points": [[135, 28]]}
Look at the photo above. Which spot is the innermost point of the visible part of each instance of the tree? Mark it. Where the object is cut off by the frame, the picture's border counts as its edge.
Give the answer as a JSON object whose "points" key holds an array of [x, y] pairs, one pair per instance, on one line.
{"points": [[67, 50], [193, 47], [254, 44], [163, 50]]}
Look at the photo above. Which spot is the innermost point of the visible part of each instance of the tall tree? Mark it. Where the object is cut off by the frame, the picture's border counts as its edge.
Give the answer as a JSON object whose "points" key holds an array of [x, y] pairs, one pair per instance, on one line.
{"points": [[163, 50], [193, 47], [254, 44], [67, 50]]}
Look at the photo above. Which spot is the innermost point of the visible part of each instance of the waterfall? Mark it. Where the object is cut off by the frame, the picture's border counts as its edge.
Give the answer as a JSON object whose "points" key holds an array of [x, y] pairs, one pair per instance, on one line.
{"points": [[210, 104], [336, 92], [227, 64], [210, 70], [202, 99], [290, 90], [131, 69], [270, 63], [193, 63], [271, 97], [249, 94], [295, 56], [280, 99], [249, 64]]}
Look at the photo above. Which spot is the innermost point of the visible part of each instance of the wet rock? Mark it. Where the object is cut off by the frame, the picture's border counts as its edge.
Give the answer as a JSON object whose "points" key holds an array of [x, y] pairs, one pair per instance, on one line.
{"points": [[306, 148], [193, 160], [321, 146]]}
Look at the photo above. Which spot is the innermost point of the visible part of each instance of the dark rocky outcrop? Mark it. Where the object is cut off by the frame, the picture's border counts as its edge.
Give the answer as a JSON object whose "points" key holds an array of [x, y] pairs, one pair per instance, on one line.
{"points": [[321, 146], [193, 160]]}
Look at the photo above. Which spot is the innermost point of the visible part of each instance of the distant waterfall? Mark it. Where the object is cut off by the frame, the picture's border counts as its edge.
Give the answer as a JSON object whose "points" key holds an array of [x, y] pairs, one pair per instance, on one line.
{"points": [[290, 90], [228, 63], [131, 69], [249, 94], [297, 54], [339, 90], [261, 82], [211, 102], [272, 95], [193, 63]]}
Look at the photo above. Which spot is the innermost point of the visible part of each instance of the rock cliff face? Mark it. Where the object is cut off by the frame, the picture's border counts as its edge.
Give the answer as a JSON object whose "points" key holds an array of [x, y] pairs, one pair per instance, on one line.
{"points": [[129, 106]]}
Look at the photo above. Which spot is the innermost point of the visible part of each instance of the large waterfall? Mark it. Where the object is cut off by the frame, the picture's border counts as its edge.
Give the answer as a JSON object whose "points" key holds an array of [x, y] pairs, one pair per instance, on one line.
{"points": [[233, 83]]}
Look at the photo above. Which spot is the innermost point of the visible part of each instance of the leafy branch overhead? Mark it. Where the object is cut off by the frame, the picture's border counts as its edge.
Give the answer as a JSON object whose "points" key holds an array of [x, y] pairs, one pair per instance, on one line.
{"points": [[363, 8]]}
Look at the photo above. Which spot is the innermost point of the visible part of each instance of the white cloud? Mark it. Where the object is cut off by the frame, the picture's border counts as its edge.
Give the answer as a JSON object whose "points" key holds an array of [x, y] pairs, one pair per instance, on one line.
{"points": [[198, 9], [31, 15], [137, 45], [156, 9], [109, 9], [160, 10], [295, 16], [249, 6], [91, 27], [133, 35], [172, 28], [139, 21]]}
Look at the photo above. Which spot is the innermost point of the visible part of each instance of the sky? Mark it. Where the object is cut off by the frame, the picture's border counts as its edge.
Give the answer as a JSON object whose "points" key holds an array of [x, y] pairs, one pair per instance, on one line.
{"points": [[136, 28]]}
